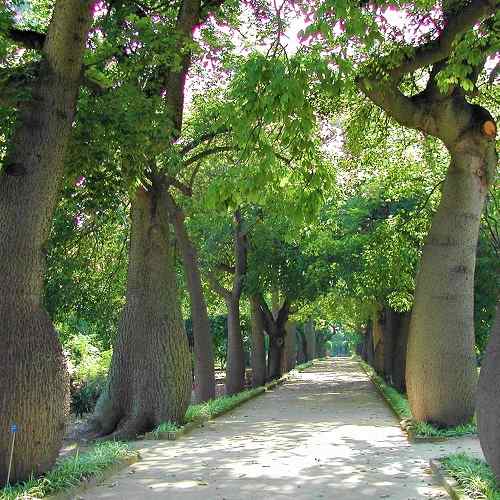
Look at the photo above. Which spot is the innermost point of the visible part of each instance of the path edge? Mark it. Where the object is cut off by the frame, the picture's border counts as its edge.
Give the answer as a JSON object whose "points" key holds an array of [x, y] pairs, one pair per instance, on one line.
{"points": [[95, 479], [404, 423], [446, 481], [200, 422]]}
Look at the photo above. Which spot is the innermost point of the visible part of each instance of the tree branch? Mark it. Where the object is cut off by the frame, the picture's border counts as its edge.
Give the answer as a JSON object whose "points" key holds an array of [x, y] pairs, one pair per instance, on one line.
{"points": [[183, 188], [207, 152], [26, 38], [439, 49], [217, 287], [203, 138]]}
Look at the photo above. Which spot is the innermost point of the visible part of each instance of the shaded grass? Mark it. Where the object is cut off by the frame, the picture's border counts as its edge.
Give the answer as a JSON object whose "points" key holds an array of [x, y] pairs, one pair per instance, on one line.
{"points": [[474, 476], [217, 406], [304, 366], [70, 472], [400, 404]]}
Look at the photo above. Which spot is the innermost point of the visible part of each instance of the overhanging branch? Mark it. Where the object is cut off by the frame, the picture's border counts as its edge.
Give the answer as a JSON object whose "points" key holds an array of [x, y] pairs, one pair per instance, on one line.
{"points": [[27, 38]]}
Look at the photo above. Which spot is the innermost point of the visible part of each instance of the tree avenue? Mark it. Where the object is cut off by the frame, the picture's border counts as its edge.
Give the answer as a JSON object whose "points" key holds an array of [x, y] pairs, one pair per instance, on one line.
{"points": [[197, 195]]}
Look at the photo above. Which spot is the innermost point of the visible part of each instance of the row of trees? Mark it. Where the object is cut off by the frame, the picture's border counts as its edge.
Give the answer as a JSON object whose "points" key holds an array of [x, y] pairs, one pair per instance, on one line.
{"points": [[242, 194]]}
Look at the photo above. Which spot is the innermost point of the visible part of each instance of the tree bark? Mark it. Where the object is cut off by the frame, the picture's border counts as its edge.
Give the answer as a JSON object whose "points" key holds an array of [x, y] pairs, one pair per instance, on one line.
{"points": [[258, 355], [310, 335], [488, 400], [441, 366], [378, 343], [150, 375], [302, 347], [33, 376], [399, 363], [290, 351], [369, 343], [235, 367], [204, 371]]}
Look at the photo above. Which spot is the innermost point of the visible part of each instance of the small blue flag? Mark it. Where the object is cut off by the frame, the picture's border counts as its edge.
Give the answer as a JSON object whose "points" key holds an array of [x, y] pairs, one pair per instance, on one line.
{"points": [[13, 428]]}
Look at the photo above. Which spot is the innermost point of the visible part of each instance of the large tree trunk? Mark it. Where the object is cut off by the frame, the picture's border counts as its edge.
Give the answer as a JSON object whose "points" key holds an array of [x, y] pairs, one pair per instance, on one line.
{"points": [[33, 377], [204, 371], [258, 354], [150, 375], [399, 362], [276, 344], [441, 366], [488, 400], [235, 368], [310, 335]]}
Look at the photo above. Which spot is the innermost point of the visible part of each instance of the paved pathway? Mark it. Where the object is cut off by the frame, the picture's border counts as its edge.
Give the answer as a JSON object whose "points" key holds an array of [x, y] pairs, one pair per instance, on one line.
{"points": [[324, 434]]}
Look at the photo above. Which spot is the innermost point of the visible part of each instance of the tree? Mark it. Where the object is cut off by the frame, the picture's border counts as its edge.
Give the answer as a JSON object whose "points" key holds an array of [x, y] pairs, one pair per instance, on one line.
{"points": [[149, 383], [235, 368], [33, 372], [440, 367], [488, 400]]}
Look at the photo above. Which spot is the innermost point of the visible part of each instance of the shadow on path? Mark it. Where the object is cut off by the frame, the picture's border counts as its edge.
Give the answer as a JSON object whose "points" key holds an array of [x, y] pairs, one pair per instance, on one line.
{"points": [[324, 434]]}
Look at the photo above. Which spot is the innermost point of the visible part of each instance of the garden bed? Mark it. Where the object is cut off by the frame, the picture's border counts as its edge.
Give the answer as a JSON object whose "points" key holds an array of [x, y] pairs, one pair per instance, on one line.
{"points": [[465, 477], [398, 403], [75, 473]]}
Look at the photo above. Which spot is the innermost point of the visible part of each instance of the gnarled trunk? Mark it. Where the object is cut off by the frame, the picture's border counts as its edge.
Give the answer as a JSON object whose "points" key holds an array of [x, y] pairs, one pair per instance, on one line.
{"points": [[33, 376], [150, 375], [488, 400], [441, 365], [258, 354], [235, 368], [204, 372]]}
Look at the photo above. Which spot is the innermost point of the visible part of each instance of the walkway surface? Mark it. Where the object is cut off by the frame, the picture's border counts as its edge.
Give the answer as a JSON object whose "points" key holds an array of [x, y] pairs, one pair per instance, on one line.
{"points": [[324, 434]]}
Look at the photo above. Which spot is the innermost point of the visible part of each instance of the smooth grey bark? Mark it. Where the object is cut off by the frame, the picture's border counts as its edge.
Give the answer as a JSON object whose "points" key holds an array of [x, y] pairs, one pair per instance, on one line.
{"points": [[149, 379], [204, 371], [488, 400], [441, 364], [441, 369], [258, 354], [33, 376]]}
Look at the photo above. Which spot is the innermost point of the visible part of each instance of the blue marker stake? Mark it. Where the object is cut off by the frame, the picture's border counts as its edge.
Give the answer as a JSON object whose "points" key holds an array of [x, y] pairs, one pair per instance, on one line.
{"points": [[13, 430]]}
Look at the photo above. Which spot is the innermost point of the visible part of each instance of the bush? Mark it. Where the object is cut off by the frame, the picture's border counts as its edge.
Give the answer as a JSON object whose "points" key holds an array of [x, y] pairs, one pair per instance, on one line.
{"points": [[88, 368]]}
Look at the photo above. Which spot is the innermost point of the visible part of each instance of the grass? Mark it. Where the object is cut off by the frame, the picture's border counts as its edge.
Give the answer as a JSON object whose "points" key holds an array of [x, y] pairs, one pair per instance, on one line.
{"points": [[473, 476], [400, 404], [165, 427], [70, 472], [303, 366], [220, 405]]}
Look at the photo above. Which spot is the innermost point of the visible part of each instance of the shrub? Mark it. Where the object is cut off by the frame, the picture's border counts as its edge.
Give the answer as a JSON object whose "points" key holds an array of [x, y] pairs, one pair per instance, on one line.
{"points": [[88, 367]]}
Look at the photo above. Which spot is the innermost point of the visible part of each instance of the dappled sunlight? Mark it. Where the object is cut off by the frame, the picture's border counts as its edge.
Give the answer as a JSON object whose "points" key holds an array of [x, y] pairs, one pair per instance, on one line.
{"points": [[326, 434]]}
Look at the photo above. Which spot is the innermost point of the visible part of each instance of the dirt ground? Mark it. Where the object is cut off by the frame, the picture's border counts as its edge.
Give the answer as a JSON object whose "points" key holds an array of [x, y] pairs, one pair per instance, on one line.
{"points": [[324, 434]]}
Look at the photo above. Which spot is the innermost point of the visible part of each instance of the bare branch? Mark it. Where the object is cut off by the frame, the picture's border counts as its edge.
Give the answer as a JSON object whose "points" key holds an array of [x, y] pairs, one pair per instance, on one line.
{"points": [[203, 138]]}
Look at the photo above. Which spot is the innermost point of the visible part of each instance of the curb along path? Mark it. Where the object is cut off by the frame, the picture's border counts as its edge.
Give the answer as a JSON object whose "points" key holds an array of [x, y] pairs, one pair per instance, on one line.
{"points": [[326, 433]]}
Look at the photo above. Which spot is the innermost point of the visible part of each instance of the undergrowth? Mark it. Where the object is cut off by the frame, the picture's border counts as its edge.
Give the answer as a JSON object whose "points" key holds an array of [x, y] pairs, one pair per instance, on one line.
{"points": [[69, 472], [474, 476]]}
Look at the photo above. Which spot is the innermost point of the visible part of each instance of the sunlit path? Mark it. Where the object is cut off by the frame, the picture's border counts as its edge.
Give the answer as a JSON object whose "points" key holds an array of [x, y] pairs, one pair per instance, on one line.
{"points": [[325, 434]]}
